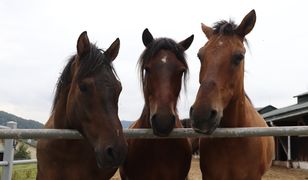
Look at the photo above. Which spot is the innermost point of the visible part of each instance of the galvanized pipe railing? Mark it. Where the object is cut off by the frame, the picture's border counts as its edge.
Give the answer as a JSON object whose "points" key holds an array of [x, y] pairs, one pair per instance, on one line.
{"points": [[148, 133], [10, 134]]}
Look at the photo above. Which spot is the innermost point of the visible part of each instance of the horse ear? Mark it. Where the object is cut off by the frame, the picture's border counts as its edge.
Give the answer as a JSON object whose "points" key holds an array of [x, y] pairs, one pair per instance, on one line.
{"points": [[113, 50], [247, 24], [208, 31], [147, 37], [83, 44], [187, 42]]}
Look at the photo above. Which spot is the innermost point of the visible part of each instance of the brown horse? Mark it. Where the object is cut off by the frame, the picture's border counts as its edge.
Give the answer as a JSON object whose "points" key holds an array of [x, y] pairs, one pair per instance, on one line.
{"points": [[221, 101], [87, 100], [162, 68]]}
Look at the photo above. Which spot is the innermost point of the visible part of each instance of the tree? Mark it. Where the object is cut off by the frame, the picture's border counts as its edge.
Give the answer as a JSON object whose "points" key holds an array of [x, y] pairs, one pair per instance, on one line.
{"points": [[22, 152]]}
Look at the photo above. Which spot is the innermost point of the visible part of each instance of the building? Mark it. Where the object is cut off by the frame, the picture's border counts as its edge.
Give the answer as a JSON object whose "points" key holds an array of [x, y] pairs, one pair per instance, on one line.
{"points": [[31, 147], [263, 110], [291, 151]]}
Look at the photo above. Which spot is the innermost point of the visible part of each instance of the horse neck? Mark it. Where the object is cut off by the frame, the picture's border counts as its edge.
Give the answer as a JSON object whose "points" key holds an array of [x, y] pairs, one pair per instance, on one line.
{"points": [[234, 114], [59, 112], [144, 119]]}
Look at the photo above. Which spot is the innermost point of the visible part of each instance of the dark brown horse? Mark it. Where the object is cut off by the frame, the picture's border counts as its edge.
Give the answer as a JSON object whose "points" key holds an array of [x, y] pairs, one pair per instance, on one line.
{"points": [[221, 102], [162, 68], [87, 100]]}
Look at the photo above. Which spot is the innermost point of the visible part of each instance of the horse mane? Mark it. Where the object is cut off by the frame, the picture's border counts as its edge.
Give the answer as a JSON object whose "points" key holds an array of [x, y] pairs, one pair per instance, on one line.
{"points": [[162, 44], [88, 64], [228, 28], [225, 27]]}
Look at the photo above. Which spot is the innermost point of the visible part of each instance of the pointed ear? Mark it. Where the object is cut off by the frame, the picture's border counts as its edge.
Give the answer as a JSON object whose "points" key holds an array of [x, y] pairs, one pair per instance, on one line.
{"points": [[83, 44], [208, 31], [113, 50], [247, 24], [187, 42], [147, 37]]}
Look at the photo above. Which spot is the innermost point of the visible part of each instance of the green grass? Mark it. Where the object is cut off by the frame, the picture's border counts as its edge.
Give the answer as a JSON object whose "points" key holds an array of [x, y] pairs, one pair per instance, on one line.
{"points": [[23, 172]]}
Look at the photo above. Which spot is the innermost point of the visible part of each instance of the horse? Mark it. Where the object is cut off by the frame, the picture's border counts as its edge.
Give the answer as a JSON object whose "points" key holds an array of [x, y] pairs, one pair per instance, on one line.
{"points": [[86, 99], [162, 67], [186, 123], [221, 101]]}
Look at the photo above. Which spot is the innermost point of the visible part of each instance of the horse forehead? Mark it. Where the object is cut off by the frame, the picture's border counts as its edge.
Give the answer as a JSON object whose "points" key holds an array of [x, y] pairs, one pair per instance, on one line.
{"points": [[167, 58], [224, 43], [107, 76], [163, 59]]}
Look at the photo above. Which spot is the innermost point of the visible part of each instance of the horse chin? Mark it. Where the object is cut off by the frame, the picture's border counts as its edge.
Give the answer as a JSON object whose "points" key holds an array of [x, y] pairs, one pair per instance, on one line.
{"points": [[105, 162], [206, 128], [207, 131], [100, 163], [162, 133]]}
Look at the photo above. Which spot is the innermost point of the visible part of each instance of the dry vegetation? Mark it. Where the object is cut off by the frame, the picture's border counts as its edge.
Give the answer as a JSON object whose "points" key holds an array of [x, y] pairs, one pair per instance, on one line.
{"points": [[275, 173]]}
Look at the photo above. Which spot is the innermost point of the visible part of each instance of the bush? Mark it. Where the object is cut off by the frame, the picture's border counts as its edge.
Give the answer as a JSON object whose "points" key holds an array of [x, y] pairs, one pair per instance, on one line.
{"points": [[22, 152]]}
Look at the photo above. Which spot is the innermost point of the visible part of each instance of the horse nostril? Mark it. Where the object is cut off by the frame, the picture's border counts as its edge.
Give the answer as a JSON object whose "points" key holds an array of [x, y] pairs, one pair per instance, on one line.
{"points": [[110, 153], [213, 114]]}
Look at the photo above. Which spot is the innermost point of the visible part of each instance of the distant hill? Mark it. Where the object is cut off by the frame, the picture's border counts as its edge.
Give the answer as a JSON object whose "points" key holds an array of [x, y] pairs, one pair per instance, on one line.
{"points": [[126, 124], [21, 123], [31, 124]]}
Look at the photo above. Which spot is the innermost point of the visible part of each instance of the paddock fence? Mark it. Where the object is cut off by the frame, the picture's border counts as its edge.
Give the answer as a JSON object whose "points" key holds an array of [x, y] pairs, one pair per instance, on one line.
{"points": [[10, 133]]}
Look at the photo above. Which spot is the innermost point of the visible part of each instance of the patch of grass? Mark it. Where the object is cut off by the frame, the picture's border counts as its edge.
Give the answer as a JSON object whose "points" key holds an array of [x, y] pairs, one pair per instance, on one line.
{"points": [[23, 172]]}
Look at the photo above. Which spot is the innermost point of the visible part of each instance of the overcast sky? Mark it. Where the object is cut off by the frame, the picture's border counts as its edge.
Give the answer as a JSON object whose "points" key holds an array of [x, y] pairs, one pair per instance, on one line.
{"points": [[37, 37]]}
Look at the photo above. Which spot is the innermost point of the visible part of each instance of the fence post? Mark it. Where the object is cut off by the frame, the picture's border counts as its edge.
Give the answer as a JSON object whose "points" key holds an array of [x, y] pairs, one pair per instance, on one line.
{"points": [[8, 154], [289, 155]]}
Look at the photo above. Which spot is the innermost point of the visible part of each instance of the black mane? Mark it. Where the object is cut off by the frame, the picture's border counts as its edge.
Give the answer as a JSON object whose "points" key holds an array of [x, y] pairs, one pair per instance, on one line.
{"points": [[88, 64], [162, 44], [224, 27]]}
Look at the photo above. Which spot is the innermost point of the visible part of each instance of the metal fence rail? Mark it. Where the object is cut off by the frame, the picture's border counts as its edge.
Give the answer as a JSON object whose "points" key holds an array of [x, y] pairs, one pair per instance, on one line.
{"points": [[10, 133], [148, 133]]}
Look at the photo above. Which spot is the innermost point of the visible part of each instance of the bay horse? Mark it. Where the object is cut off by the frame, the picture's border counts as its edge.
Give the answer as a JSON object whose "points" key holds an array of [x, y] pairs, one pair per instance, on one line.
{"points": [[86, 99], [222, 102], [162, 68]]}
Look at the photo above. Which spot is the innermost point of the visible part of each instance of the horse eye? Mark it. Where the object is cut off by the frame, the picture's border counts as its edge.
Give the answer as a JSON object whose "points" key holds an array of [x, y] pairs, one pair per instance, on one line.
{"points": [[83, 87], [237, 58]]}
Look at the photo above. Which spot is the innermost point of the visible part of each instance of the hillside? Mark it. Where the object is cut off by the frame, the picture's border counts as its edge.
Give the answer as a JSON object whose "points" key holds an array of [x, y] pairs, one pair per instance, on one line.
{"points": [[126, 124], [31, 124], [21, 123]]}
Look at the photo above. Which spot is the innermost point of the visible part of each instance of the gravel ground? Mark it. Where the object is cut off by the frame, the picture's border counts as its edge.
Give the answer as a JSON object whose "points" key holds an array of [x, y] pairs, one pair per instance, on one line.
{"points": [[275, 173]]}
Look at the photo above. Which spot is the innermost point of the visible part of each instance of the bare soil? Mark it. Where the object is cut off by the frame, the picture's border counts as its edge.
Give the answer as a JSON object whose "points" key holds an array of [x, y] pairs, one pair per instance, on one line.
{"points": [[275, 173]]}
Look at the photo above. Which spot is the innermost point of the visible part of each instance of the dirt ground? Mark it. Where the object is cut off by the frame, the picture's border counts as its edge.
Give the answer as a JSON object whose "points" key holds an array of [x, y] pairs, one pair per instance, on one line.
{"points": [[275, 173]]}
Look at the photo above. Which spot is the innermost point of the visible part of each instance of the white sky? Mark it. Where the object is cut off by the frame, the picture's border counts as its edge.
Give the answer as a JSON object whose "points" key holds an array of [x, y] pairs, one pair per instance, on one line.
{"points": [[37, 37]]}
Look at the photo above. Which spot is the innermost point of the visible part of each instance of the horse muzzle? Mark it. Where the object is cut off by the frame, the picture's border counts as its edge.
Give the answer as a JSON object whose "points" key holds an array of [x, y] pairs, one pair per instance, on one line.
{"points": [[111, 156], [162, 124], [205, 121]]}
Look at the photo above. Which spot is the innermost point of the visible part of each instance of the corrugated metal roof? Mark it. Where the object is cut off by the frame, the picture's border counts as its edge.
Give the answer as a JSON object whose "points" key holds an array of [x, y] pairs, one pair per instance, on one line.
{"points": [[286, 112], [303, 94], [265, 109]]}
